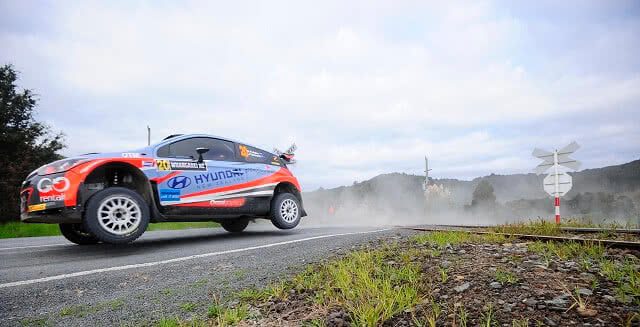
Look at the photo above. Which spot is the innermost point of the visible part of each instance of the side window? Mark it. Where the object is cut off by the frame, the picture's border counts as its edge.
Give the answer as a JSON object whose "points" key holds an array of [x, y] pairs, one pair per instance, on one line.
{"points": [[218, 149], [254, 155]]}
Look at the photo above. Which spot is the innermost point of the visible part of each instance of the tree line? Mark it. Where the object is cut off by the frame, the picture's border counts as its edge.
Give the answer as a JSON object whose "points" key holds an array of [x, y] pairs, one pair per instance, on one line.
{"points": [[25, 143]]}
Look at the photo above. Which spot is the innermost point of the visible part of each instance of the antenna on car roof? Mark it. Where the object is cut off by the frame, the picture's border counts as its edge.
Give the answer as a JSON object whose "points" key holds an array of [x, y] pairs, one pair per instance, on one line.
{"points": [[148, 135]]}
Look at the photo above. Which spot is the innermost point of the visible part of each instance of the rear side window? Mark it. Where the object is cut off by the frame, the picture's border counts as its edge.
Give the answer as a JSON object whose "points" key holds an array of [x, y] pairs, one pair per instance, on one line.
{"points": [[254, 155], [218, 149]]}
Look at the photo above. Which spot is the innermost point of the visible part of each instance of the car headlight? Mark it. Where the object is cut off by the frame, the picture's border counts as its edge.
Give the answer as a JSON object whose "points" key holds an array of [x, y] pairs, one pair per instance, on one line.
{"points": [[59, 166]]}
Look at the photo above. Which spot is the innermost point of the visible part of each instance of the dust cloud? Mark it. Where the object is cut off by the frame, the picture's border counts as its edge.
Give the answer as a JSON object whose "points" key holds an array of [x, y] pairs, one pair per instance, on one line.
{"points": [[399, 200]]}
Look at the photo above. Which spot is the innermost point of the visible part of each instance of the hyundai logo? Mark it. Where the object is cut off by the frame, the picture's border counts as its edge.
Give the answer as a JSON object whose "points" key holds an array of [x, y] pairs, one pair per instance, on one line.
{"points": [[179, 182]]}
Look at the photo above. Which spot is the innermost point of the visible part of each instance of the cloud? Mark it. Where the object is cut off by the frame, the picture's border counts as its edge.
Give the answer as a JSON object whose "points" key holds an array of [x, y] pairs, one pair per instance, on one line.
{"points": [[363, 88]]}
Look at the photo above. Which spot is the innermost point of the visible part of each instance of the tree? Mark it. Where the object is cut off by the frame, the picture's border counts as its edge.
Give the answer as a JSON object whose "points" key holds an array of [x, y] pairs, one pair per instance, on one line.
{"points": [[483, 195], [25, 144]]}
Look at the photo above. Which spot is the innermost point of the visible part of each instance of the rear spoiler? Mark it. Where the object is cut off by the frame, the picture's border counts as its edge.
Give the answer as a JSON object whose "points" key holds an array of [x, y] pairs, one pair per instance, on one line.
{"points": [[287, 155]]}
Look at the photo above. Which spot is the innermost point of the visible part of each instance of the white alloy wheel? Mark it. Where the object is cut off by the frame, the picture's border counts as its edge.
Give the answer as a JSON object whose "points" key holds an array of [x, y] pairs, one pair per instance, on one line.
{"points": [[289, 210], [119, 215]]}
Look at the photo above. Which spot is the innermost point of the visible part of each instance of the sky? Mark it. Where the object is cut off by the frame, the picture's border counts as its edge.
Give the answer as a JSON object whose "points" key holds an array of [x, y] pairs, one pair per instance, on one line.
{"points": [[362, 87]]}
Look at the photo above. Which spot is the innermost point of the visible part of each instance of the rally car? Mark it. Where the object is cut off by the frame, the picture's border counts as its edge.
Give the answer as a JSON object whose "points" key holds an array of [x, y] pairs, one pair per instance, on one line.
{"points": [[112, 197]]}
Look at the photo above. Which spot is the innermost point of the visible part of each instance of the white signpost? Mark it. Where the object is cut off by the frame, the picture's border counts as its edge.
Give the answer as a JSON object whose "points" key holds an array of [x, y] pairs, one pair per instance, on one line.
{"points": [[557, 183]]}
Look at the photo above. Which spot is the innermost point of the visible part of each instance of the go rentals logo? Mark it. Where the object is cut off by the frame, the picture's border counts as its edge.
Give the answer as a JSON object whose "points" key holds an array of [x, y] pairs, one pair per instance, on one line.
{"points": [[179, 182], [58, 184]]}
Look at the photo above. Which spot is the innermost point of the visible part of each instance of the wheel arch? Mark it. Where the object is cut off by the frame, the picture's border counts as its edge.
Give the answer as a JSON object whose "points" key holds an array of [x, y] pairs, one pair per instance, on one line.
{"points": [[288, 187], [116, 173]]}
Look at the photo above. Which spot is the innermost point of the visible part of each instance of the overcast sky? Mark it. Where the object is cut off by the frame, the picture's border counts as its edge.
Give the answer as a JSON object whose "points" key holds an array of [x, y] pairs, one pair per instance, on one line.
{"points": [[363, 88]]}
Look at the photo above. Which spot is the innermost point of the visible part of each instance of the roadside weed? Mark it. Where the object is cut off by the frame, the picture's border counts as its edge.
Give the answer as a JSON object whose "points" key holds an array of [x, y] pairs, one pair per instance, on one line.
{"points": [[168, 322], [462, 316], [434, 314], [488, 317], [188, 306], [524, 322], [443, 238], [504, 276], [35, 322], [225, 316], [443, 274]]}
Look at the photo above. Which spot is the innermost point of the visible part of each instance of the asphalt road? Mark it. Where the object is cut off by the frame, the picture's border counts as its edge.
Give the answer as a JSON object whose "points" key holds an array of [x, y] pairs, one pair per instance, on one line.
{"points": [[47, 280]]}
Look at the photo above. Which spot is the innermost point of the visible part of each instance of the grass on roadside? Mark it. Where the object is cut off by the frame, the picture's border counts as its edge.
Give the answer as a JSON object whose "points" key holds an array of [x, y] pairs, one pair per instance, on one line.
{"points": [[18, 229], [545, 227], [441, 239], [371, 289], [623, 273]]}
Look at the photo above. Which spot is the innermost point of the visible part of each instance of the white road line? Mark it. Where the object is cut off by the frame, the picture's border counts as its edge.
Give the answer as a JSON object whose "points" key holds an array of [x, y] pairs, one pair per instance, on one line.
{"points": [[34, 246], [191, 257]]}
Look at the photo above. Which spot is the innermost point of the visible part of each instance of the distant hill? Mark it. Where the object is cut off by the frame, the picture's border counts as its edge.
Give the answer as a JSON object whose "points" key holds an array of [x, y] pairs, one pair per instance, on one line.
{"points": [[401, 191]]}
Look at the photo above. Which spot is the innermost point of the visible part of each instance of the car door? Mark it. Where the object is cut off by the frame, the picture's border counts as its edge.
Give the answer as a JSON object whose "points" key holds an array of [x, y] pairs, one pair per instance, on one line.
{"points": [[189, 183], [177, 165]]}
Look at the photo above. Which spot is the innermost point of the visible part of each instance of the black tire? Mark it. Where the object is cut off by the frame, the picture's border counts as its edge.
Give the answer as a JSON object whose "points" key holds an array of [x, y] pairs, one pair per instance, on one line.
{"points": [[277, 215], [235, 225], [77, 234], [117, 194]]}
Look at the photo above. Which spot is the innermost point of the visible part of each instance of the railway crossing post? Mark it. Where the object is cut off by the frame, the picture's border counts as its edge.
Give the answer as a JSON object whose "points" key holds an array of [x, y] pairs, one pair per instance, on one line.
{"points": [[558, 183]]}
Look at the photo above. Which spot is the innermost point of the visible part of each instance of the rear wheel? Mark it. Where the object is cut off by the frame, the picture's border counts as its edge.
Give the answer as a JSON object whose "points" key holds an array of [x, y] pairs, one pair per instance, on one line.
{"points": [[235, 225], [116, 215], [285, 211], [77, 234]]}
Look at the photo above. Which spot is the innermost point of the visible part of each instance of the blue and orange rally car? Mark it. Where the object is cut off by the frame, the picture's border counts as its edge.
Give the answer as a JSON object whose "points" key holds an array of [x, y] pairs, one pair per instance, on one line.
{"points": [[112, 197]]}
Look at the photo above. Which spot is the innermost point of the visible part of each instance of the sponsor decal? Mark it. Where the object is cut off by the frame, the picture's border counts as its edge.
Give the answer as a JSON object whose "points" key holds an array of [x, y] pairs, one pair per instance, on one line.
{"points": [[228, 203], [275, 161], [169, 195], [58, 184], [50, 198], [244, 152], [147, 164], [131, 155], [163, 164], [37, 207], [218, 175], [220, 178], [179, 182], [181, 165]]}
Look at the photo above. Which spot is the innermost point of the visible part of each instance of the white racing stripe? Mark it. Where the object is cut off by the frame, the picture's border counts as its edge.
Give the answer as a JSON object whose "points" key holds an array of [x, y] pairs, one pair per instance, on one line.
{"points": [[34, 246], [191, 257]]}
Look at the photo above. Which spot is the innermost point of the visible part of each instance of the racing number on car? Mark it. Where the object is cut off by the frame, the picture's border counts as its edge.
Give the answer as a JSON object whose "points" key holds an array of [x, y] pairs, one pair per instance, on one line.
{"points": [[163, 165]]}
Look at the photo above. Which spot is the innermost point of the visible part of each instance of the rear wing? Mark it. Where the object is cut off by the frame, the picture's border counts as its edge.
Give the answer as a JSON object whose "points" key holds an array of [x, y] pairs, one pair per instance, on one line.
{"points": [[287, 155]]}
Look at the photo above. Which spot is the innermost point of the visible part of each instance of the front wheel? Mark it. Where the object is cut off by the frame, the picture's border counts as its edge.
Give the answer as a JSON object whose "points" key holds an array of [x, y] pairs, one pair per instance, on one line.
{"points": [[116, 215], [285, 211], [77, 234], [235, 225]]}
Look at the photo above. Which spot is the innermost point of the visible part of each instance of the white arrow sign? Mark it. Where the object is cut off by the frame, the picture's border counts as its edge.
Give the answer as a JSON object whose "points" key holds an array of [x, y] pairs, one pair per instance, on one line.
{"points": [[565, 182]]}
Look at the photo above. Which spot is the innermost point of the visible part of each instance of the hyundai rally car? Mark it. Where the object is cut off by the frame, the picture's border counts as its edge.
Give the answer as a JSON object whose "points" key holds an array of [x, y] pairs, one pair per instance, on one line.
{"points": [[112, 197]]}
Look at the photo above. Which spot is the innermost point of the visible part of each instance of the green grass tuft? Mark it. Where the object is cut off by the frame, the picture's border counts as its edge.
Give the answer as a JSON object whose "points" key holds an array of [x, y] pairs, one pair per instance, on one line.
{"points": [[371, 289]]}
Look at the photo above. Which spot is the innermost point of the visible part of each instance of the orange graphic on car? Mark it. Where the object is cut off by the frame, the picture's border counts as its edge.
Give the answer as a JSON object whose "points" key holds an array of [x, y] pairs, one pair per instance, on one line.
{"points": [[244, 152]]}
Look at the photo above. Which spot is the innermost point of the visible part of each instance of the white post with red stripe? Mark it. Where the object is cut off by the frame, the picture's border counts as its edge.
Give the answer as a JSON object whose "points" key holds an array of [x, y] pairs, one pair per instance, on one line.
{"points": [[557, 193], [558, 183]]}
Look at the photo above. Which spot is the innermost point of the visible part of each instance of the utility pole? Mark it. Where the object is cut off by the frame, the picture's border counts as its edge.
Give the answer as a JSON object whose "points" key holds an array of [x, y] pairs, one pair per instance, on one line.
{"points": [[148, 135], [426, 174]]}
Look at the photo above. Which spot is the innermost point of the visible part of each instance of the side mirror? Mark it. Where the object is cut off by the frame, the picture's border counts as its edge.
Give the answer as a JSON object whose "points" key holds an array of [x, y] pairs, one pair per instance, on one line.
{"points": [[201, 151]]}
